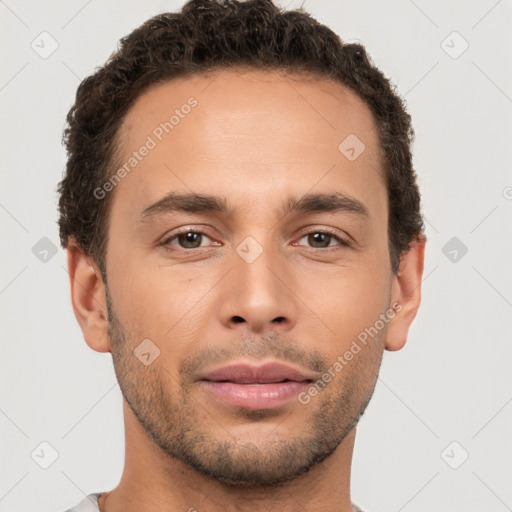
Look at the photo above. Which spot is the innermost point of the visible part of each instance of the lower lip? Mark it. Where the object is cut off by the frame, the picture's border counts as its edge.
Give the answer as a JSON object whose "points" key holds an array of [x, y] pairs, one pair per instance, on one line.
{"points": [[256, 396]]}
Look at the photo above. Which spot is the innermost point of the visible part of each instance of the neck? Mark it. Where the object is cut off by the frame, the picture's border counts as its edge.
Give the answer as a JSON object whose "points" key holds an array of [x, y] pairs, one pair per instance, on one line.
{"points": [[152, 481]]}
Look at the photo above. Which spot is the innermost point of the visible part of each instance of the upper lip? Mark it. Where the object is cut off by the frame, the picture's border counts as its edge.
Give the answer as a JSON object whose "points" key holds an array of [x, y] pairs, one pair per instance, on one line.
{"points": [[244, 373]]}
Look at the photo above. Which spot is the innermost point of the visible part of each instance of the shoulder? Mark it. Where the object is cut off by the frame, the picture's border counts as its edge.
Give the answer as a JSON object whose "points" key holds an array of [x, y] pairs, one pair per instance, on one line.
{"points": [[88, 504]]}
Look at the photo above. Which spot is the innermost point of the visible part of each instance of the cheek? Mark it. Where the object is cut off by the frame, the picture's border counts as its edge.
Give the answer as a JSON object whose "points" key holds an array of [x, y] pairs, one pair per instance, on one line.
{"points": [[348, 301], [160, 301]]}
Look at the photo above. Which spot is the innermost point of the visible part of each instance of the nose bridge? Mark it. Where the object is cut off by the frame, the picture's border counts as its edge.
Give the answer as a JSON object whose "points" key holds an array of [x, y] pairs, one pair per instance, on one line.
{"points": [[256, 264]]}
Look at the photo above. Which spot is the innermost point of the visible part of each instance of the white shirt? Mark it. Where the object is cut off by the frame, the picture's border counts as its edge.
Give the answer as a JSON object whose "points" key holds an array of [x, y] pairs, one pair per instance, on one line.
{"points": [[90, 504]]}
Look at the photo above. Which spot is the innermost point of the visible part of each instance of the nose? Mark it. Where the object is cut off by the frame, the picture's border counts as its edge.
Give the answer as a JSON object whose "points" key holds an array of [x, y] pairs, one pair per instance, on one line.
{"points": [[258, 295]]}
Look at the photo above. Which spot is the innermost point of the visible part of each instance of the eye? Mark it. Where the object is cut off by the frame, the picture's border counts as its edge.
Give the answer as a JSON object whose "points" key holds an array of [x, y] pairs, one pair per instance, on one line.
{"points": [[193, 239], [323, 239], [189, 239]]}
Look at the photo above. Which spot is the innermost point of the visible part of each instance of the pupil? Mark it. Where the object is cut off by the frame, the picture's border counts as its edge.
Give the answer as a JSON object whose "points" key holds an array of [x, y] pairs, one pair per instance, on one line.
{"points": [[320, 238], [190, 238]]}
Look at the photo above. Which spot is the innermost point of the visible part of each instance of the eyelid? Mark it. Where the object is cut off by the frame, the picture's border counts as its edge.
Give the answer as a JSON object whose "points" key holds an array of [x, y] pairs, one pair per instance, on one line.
{"points": [[344, 241], [168, 237]]}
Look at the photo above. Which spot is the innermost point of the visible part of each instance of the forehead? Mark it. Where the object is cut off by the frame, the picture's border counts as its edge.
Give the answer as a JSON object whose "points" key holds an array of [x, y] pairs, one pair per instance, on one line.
{"points": [[234, 131], [253, 102]]}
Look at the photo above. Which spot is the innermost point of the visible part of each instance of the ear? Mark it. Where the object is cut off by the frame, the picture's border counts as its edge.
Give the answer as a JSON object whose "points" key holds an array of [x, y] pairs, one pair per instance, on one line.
{"points": [[88, 298], [406, 294]]}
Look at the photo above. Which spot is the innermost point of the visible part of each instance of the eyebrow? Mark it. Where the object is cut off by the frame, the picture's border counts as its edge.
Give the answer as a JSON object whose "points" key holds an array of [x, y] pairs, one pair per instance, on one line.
{"points": [[199, 203], [336, 202]]}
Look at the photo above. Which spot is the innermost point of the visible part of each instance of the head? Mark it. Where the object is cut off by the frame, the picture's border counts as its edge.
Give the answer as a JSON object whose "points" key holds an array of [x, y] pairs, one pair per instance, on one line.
{"points": [[239, 187]]}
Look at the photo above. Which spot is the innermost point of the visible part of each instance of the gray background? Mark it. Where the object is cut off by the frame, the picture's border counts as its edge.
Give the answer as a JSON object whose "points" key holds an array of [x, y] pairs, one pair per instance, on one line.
{"points": [[452, 381]]}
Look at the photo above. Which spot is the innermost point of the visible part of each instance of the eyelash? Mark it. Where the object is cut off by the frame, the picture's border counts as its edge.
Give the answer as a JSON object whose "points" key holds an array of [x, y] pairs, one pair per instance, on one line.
{"points": [[343, 243]]}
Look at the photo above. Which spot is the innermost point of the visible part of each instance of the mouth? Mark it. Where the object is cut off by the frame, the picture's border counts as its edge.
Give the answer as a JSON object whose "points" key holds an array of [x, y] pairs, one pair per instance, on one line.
{"points": [[256, 387], [256, 395]]}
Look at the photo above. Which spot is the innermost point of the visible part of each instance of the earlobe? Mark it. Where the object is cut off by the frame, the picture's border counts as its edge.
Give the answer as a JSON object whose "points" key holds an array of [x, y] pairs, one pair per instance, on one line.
{"points": [[88, 298], [406, 294]]}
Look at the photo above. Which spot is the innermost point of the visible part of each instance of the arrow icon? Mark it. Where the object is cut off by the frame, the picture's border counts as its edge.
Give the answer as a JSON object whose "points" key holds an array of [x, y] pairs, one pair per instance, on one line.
{"points": [[351, 147], [44, 455], [44, 44], [454, 45], [146, 352], [44, 250], [454, 249], [454, 455], [249, 253]]}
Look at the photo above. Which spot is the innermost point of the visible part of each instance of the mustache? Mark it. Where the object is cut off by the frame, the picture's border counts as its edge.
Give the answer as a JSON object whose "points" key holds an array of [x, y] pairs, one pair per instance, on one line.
{"points": [[270, 345]]}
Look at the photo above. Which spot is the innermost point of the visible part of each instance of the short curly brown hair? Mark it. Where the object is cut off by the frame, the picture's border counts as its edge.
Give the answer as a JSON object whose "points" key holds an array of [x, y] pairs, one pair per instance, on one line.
{"points": [[219, 34]]}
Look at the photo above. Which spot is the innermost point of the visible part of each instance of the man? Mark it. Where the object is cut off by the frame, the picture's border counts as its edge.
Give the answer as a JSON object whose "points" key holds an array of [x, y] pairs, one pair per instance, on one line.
{"points": [[244, 235]]}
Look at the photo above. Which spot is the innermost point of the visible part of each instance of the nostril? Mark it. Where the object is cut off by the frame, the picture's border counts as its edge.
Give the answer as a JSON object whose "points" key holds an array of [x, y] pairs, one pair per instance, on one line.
{"points": [[238, 319], [279, 319]]}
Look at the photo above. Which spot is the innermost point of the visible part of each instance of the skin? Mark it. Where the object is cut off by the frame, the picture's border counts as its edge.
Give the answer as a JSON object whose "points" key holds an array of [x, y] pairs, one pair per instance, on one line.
{"points": [[254, 138]]}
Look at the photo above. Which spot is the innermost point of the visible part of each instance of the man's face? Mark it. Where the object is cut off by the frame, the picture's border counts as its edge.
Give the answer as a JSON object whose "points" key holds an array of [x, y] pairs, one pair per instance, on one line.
{"points": [[257, 284]]}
